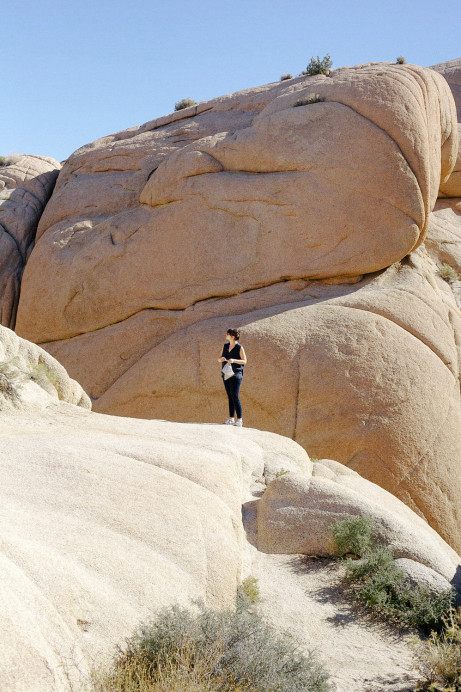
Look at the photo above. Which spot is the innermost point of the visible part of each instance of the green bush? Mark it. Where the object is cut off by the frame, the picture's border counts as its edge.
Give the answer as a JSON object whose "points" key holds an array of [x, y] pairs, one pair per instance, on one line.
{"points": [[2, 160], [448, 273], [311, 98], [438, 659], [184, 103], [353, 535], [319, 66], [377, 582], [212, 651], [400, 60], [248, 592]]}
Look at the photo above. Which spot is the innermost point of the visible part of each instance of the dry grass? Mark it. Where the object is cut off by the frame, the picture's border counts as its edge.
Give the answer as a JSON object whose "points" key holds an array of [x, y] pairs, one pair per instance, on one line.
{"points": [[438, 659], [213, 651], [309, 99]]}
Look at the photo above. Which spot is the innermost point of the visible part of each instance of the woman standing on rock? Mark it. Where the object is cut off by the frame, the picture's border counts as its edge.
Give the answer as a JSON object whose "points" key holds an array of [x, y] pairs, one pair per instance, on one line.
{"points": [[234, 354]]}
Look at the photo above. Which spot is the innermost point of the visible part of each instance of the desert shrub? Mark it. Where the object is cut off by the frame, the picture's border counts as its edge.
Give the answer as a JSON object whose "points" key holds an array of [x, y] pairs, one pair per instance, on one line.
{"points": [[281, 472], [353, 535], [286, 76], [11, 378], [212, 651], [448, 273], [42, 375], [2, 160], [310, 98], [248, 592], [184, 103], [319, 65], [381, 586], [384, 589], [438, 659], [400, 60]]}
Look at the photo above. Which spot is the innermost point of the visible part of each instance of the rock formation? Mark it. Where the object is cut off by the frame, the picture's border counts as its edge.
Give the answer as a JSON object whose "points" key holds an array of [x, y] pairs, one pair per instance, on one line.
{"points": [[297, 511], [26, 183], [105, 520], [300, 220], [451, 71]]}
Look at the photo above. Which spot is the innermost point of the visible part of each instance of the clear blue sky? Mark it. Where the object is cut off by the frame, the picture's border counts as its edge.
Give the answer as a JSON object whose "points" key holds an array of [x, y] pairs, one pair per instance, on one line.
{"points": [[75, 71]]}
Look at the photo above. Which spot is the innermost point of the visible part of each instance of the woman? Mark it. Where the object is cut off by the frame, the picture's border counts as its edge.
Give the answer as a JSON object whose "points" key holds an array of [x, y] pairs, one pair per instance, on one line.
{"points": [[234, 353]]}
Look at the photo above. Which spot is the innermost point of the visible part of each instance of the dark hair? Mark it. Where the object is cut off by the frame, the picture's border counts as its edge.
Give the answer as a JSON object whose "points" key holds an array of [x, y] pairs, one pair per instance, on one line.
{"points": [[234, 332]]}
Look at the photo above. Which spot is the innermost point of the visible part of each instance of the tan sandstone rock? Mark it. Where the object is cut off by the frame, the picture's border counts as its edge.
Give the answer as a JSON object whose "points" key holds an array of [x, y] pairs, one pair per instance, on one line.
{"points": [[158, 239], [105, 520], [297, 512], [290, 192], [451, 71], [26, 183], [444, 234], [452, 186], [367, 374]]}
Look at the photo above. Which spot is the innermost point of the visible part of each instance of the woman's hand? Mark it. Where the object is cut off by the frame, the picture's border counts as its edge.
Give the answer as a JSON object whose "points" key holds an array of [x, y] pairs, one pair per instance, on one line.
{"points": [[221, 360]]}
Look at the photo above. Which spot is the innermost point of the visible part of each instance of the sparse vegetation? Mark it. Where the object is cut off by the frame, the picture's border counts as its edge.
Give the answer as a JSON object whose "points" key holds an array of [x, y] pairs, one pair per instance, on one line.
{"points": [[281, 472], [353, 535], [286, 76], [319, 65], [43, 376], [448, 273], [248, 591], [10, 378], [309, 99], [184, 103], [376, 581], [400, 60], [2, 160], [212, 651], [438, 659]]}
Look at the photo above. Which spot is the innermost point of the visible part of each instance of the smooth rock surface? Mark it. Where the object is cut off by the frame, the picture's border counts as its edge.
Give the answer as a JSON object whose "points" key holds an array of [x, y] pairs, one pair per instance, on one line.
{"points": [[30, 378], [452, 186], [451, 71], [367, 374], [243, 192], [105, 520], [421, 575], [297, 512], [252, 211], [26, 184]]}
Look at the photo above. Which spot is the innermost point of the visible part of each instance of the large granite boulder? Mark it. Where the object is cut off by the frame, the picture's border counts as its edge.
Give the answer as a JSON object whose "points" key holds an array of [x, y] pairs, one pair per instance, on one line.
{"points": [[26, 184], [105, 520], [294, 220], [297, 513], [241, 193]]}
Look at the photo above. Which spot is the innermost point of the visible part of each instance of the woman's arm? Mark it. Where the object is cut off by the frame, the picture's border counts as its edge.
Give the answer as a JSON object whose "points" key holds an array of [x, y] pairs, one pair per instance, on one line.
{"points": [[222, 359], [243, 360]]}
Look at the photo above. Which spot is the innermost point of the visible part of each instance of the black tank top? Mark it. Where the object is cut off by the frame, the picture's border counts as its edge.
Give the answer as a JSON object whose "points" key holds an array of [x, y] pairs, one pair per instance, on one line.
{"points": [[233, 353]]}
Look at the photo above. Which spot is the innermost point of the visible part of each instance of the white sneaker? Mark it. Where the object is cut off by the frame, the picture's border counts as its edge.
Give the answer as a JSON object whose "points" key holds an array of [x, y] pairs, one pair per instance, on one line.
{"points": [[229, 421], [239, 423]]}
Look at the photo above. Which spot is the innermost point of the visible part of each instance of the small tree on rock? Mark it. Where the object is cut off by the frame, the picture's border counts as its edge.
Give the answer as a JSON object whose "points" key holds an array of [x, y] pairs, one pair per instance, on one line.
{"points": [[319, 65]]}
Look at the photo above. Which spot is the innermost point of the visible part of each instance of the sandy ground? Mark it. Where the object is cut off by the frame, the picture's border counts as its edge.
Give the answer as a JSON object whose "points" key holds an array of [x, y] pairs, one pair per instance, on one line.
{"points": [[304, 596]]}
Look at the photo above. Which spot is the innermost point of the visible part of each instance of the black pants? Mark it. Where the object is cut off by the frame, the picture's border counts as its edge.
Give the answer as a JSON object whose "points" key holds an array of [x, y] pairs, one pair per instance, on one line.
{"points": [[232, 386]]}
